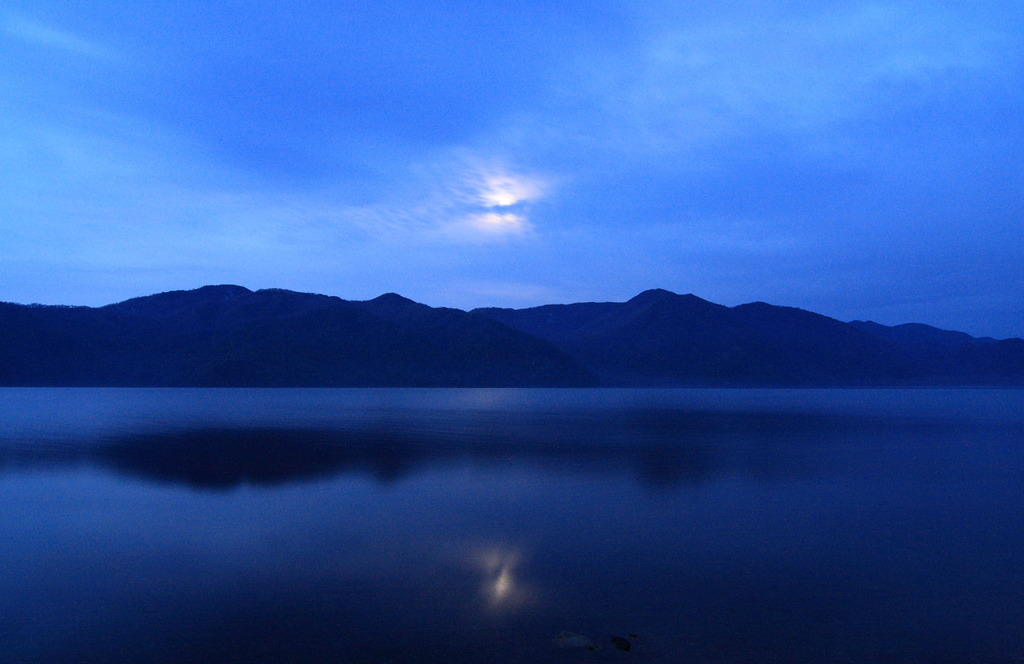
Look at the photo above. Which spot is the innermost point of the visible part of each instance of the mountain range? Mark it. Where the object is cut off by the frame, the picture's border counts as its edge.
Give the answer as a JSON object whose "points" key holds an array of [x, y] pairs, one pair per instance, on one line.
{"points": [[230, 336]]}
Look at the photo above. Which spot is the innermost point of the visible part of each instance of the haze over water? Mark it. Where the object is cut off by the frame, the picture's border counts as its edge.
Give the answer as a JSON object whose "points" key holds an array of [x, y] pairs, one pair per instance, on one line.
{"points": [[720, 526]]}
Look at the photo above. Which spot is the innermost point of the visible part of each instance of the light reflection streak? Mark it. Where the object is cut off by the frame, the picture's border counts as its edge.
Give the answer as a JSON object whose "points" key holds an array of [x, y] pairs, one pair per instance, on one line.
{"points": [[502, 587]]}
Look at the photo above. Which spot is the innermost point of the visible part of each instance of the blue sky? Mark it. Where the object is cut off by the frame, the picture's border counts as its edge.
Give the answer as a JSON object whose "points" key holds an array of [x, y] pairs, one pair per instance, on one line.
{"points": [[860, 159]]}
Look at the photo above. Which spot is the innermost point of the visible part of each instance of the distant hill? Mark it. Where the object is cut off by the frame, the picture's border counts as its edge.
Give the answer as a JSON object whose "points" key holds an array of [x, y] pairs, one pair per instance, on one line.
{"points": [[231, 336], [662, 338], [917, 335]]}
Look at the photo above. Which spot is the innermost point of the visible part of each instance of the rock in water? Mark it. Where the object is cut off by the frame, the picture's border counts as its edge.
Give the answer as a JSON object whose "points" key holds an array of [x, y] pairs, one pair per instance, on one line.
{"points": [[622, 643]]}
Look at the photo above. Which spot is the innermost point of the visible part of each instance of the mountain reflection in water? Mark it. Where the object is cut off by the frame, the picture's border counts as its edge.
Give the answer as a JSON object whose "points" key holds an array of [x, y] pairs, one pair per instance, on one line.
{"points": [[656, 447]]}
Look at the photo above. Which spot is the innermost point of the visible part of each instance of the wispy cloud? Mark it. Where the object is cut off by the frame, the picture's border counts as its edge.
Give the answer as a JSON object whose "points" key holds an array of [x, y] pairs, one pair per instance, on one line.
{"points": [[455, 199], [487, 226], [47, 36], [687, 84]]}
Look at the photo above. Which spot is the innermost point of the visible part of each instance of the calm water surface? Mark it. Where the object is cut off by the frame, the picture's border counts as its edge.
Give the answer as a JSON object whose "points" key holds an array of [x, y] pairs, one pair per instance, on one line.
{"points": [[390, 526]]}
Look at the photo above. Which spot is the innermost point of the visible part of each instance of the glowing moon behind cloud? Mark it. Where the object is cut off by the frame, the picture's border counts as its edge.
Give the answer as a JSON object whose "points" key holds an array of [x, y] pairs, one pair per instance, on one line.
{"points": [[493, 203], [507, 190]]}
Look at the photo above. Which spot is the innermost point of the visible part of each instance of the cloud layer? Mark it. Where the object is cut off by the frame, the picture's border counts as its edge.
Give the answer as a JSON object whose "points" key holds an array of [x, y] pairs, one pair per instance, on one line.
{"points": [[860, 159]]}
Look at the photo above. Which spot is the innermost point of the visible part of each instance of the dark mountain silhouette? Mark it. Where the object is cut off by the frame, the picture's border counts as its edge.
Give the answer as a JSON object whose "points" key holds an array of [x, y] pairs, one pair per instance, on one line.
{"points": [[661, 338], [231, 336], [952, 357], [917, 335]]}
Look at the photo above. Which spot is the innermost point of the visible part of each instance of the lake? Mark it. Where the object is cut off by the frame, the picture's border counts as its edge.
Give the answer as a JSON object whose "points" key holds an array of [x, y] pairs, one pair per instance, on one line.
{"points": [[511, 526]]}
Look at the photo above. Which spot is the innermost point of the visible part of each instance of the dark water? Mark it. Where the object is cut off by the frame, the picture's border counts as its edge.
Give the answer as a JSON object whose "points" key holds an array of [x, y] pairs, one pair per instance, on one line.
{"points": [[389, 526]]}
